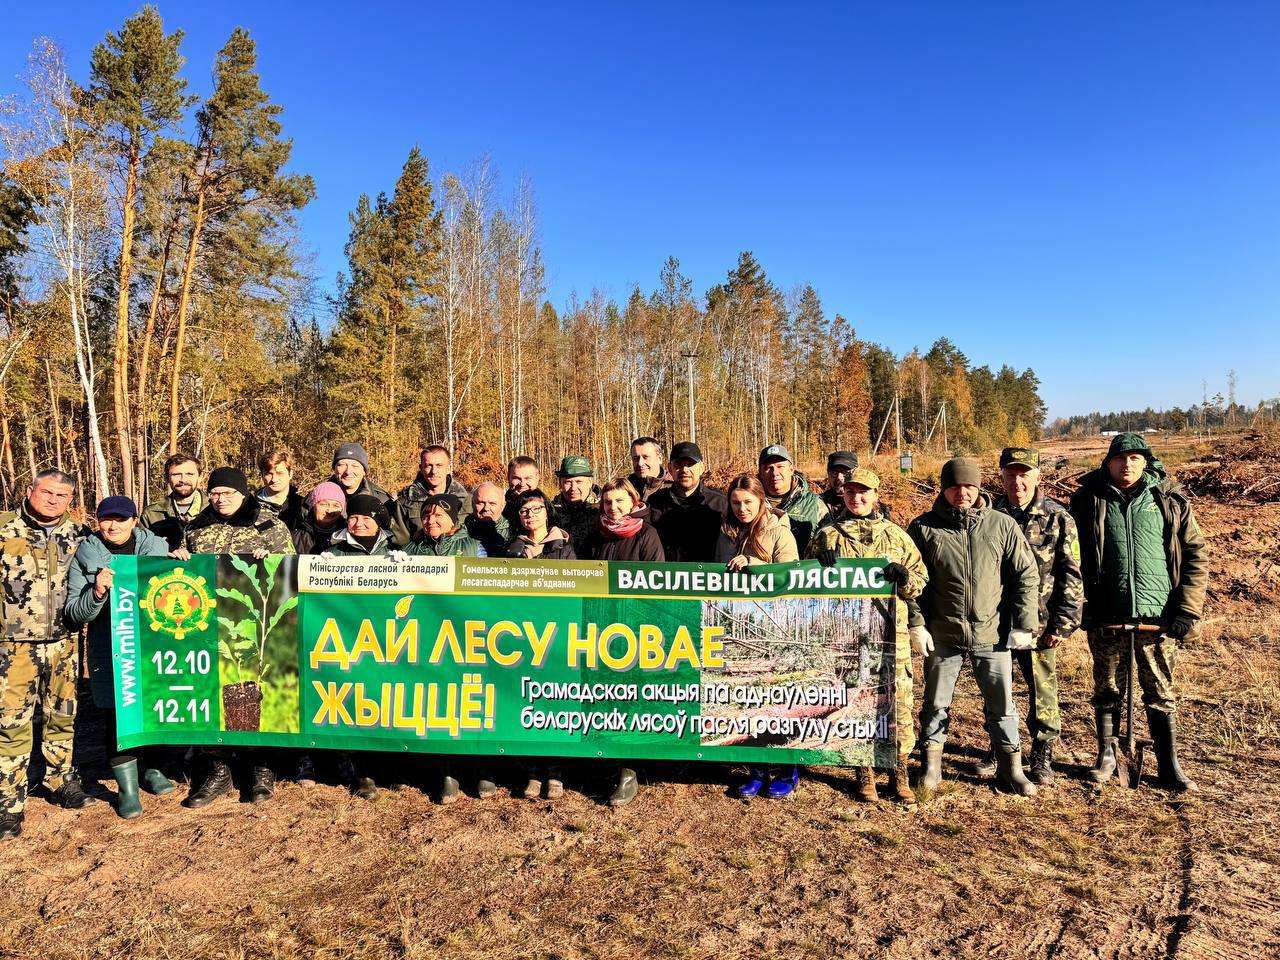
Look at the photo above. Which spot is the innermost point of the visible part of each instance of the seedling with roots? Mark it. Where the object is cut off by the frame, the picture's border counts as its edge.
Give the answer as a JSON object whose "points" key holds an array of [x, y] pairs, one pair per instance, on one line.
{"points": [[244, 641]]}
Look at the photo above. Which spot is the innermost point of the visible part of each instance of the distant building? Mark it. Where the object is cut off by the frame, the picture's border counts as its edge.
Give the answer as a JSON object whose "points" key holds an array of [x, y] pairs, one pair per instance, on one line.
{"points": [[1111, 433]]}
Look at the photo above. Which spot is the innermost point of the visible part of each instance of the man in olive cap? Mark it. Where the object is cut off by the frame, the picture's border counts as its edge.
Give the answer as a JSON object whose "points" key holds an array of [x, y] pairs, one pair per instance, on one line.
{"points": [[980, 567], [1143, 561], [577, 506], [1051, 534]]}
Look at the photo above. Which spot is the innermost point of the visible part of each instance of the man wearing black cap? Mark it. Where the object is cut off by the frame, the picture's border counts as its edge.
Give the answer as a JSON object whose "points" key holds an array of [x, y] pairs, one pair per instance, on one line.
{"points": [[688, 514], [1143, 561], [839, 465], [980, 567], [788, 490], [1051, 534]]}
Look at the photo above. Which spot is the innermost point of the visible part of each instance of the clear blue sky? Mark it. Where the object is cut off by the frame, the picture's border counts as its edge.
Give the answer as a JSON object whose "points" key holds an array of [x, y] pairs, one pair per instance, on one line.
{"points": [[1089, 189]]}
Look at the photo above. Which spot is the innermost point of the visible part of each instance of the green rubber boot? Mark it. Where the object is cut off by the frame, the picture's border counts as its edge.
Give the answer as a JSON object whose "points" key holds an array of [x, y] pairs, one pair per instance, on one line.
{"points": [[155, 782], [128, 805]]}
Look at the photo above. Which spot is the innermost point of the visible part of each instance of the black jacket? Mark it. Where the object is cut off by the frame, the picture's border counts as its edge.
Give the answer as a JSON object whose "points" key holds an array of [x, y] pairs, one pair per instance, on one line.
{"points": [[689, 526], [644, 547], [291, 512], [309, 538]]}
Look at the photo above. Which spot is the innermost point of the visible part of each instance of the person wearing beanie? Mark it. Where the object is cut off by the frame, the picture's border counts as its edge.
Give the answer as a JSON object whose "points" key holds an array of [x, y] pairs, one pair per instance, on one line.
{"points": [[351, 473], [368, 529], [441, 534], [980, 571], [89, 584], [861, 531], [1051, 534], [325, 515], [1143, 561], [235, 522]]}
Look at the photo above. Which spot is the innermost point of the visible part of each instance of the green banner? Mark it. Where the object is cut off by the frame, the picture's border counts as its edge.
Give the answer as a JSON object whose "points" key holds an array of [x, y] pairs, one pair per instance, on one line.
{"points": [[771, 664]]}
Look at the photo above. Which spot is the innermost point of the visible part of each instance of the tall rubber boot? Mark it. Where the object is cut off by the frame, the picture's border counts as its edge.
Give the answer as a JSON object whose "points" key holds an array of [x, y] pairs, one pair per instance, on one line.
{"points": [[1104, 768], [155, 782], [1009, 772], [125, 770], [627, 788], [1169, 774], [931, 766]]}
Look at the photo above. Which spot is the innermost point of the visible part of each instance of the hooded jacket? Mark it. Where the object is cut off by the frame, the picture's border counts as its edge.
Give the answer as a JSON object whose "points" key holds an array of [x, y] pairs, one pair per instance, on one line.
{"points": [[776, 544], [344, 545], [648, 486], [1174, 539], [248, 529], [456, 544], [84, 608], [979, 564]]}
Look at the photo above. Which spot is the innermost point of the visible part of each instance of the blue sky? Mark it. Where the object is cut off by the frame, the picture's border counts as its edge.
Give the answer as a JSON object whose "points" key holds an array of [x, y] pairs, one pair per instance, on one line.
{"points": [[1092, 190]]}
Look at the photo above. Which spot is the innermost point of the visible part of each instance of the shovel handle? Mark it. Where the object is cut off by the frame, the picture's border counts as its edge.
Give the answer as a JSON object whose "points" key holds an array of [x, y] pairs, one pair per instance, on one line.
{"points": [[1133, 627]]}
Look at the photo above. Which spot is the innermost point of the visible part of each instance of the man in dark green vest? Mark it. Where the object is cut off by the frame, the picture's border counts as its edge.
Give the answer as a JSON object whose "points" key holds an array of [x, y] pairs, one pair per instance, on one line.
{"points": [[1143, 561]]}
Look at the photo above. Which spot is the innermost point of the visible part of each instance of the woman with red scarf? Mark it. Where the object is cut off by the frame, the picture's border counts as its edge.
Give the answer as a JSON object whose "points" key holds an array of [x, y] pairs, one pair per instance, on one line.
{"points": [[623, 531]]}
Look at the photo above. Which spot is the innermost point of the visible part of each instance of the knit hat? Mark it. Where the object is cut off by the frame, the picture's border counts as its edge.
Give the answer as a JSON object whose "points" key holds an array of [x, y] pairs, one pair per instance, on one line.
{"points": [[229, 477], [327, 491], [366, 505], [959, 471], [1128, 443], [446, 502], [117, 507], [351, 451]]}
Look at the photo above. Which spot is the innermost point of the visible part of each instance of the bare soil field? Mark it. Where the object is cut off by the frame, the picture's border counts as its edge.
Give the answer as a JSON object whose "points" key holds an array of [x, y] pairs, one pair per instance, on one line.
{"points": [[688, 871]]}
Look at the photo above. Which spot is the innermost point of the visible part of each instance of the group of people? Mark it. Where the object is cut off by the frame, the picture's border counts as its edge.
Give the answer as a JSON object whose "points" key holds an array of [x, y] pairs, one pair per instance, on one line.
{"points": [[992, 580]]}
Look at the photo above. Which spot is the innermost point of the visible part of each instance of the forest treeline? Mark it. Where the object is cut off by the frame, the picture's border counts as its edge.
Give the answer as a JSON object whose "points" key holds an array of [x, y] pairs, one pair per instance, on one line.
{"points": [[1212, 413], [157, 296]]}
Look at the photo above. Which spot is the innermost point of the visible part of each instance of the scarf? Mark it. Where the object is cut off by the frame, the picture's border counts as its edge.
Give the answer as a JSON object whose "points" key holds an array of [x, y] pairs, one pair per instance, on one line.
{"points": [[627, 526]]}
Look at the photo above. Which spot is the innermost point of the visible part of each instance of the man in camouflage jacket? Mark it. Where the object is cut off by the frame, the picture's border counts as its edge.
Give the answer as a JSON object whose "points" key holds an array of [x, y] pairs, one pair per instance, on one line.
{"points": [[1051, 534], [38, 653]]}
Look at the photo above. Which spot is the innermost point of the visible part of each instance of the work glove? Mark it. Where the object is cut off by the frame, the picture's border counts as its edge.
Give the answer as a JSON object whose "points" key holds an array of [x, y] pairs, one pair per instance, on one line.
{"points": [[827, 557], [1021, 640], [397, 556], [921, 641], [895, 573], [1180, 627]]}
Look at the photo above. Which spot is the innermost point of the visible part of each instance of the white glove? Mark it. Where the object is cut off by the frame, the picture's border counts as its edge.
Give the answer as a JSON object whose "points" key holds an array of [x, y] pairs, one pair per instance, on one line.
{"points": [[1021, 640], [921, 641], [397, 556]]}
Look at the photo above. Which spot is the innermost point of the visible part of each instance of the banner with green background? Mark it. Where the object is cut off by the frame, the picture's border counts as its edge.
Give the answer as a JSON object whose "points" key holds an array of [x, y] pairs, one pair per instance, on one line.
{"points": [[772, 664]]}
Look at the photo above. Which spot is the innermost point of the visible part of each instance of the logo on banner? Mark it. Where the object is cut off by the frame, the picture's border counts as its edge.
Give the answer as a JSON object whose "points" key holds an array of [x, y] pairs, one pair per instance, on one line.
{"points": [[178, 603]]}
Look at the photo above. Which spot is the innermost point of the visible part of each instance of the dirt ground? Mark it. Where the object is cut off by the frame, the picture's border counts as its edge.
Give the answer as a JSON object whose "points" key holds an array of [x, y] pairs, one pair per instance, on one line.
{"points": [[688, 871]]}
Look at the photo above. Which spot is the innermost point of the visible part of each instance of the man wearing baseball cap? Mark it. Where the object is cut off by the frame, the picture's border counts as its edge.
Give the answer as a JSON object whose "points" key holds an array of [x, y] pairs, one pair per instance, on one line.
{"points": [[788, 490], [860, 531], [1142, 559], [978, 561], [840, 464], [577, 505], [1051, 534], [688, 514]]}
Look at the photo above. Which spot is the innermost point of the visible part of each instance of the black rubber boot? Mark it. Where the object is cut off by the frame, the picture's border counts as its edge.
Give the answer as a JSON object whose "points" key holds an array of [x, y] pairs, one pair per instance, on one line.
{"points": [[1041, 771], [71, 795], [10, 825], [626, 790], [1169, 775], [216, 783], [1009, 772], [450, 789], [264, 785], [366, 788], [1104, 768]]}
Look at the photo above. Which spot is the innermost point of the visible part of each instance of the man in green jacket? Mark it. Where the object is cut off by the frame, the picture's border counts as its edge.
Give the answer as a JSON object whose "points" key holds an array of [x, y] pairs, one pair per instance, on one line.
{"points": [[171, 515], [979, 566], [38, 650], [1143, 560], [789, 491], [1051, 534]]}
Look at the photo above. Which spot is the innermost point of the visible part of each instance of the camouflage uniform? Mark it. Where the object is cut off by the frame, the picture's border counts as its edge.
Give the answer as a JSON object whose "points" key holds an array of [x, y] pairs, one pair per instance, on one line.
{"points": [[1055, 545], [39, 659], [876, 537], [250, 528]]}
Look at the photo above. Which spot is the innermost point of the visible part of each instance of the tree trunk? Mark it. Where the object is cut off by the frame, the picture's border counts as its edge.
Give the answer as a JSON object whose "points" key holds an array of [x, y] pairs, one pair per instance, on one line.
{"points": [[31, 447], [120, 368], [140, 419], [53, 414], [184, 299]]}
